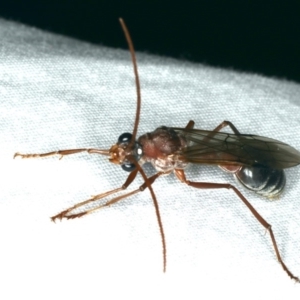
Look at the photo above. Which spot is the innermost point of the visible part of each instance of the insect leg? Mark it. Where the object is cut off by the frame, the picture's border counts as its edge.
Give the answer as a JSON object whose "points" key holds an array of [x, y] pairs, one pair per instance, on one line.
{"points": [[190, 125], [66, 213], [62, 153], [148, 182], [209, 185], [224, 124]]}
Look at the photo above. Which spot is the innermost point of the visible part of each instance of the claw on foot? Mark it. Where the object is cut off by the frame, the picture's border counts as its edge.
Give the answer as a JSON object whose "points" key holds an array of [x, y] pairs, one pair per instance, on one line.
{"points": [[59, 216], [17, 154]]}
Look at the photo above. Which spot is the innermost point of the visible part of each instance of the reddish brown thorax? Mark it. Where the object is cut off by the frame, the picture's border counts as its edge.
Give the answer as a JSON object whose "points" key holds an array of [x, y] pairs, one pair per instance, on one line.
{"points": [[161, 142]]}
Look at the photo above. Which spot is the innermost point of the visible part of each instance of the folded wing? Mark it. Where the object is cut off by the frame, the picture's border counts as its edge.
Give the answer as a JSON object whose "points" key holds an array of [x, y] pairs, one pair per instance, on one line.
{"points": [[222, 148]]}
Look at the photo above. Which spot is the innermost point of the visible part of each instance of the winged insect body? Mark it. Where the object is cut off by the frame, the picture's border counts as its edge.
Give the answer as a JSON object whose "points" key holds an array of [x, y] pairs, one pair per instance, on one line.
{"points": [[257, 162]]}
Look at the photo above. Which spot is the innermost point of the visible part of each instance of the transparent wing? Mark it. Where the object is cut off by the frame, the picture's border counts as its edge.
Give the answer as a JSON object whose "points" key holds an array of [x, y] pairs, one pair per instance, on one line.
{"points": [[219, 148]]}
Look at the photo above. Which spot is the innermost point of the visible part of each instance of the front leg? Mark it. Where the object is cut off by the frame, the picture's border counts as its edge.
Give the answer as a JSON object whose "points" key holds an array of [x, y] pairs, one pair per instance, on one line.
{"points": [[62, 153]]}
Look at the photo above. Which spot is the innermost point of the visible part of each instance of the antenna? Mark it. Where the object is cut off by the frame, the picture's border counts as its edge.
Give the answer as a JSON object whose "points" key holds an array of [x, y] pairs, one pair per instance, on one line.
{"points": [[137, 81]]}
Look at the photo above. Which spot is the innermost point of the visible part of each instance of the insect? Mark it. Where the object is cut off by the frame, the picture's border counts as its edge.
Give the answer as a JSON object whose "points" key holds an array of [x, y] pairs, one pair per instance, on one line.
{"points": [[257, 162]]}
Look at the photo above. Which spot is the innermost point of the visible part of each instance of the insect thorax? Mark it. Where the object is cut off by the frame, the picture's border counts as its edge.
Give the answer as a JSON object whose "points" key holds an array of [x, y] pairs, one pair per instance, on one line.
{"points": [[161, 148]]}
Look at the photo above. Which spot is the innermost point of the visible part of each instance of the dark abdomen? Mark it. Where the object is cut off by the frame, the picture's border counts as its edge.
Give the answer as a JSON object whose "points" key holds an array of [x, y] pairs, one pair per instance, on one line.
{"points": [[264, 181]]}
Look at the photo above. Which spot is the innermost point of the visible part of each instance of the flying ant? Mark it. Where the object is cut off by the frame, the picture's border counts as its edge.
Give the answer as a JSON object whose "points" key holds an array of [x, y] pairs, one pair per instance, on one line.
{"points": [[257, 162]]}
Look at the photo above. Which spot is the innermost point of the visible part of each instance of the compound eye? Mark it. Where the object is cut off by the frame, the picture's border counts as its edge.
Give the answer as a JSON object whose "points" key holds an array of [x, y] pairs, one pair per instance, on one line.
{"points": [[128, 167], [124, 138]]}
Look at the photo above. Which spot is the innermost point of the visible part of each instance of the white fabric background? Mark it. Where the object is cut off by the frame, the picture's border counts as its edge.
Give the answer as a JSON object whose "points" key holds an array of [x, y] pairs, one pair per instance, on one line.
{"points": [[59, 93]]}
